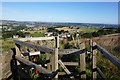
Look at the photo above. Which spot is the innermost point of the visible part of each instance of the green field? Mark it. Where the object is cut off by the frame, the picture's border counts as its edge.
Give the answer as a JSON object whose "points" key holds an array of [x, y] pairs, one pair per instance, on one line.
{"points": [[37, 34], [40, 31], [86, 29]]}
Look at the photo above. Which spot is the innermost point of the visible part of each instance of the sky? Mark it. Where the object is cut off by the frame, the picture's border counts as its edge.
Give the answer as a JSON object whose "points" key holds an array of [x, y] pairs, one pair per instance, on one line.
{"points": [[76, 12]]}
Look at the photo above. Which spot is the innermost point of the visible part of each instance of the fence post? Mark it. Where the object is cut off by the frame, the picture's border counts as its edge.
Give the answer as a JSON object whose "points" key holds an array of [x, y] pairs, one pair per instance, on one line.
{"points": [[17, 47], [82, 62], [48, 64], [90, 42], [55, 56], [94, 75], [18, 52]]}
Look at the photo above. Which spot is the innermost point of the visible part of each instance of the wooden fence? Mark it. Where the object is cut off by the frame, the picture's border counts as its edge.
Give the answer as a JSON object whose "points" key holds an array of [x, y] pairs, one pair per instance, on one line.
{"points": [[52, 72]]}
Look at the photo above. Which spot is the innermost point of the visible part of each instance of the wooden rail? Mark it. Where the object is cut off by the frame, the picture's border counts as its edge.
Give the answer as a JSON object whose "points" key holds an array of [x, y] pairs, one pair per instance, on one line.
{"points": [[71, 63], [72, 51], [37, 67], [100, 73], [34, 46], [109, 56]]}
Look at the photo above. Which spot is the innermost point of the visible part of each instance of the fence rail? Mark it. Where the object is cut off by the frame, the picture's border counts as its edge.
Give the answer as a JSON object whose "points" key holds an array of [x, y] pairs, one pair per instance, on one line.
{"points": [[109, 56], [34, 46]]}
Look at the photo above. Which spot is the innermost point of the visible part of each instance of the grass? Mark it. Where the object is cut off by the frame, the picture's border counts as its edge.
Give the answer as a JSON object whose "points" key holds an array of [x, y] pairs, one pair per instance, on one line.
{"points": [[81, 29], [7, 44], [39, 31], [36, 34], [107, 67]]}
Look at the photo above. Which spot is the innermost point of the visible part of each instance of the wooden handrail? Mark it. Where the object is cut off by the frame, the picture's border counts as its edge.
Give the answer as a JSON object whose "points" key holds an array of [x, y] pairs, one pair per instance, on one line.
{"points": [[34, 46], [109, 56], [71, 51]]}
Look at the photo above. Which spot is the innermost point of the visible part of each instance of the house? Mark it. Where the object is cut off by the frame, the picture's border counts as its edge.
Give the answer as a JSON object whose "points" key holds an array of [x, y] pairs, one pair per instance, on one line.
{"points": [[49, 33], [39, 28]]}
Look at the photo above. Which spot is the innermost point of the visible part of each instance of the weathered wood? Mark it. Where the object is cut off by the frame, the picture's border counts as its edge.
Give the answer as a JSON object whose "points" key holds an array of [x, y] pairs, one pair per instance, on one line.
{"points": [[64, 67], [34, 46], [90, 42], [55, 56], [109, 56], [37, 67], [36, 38], [101, 73], [48, 58], [71, 63], [82, 62], [17, 48], [94, 75], [18, 52], [71, 51], [57, 42]]}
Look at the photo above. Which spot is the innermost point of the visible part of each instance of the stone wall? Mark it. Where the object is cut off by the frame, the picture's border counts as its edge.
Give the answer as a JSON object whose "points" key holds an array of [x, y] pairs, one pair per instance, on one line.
{"points": [[5, 66]]}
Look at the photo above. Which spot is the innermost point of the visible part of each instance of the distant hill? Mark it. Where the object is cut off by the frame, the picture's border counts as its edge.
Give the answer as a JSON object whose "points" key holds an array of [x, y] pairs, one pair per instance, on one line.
{"points": [[58, 24]]}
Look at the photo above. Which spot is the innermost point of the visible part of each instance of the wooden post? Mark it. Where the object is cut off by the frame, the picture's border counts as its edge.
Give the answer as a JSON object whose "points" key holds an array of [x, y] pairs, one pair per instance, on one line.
{"points": [[17, 47], [55, 56], [82, 62], [73, 40], [48, 64], [18, 52], [94, 75], [90, 42]]}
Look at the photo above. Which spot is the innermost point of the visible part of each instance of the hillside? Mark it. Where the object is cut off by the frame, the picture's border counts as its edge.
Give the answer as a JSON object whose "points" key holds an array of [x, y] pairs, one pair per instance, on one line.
{"points": [[110, 42]]}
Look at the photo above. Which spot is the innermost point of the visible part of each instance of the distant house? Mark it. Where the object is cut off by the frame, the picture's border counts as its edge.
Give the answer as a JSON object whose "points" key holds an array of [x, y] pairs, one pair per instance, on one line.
{"points": [[39, 28], [30, 26], [49, 33], [65, 35], [68, 35], [15, 25], [73, 31]]}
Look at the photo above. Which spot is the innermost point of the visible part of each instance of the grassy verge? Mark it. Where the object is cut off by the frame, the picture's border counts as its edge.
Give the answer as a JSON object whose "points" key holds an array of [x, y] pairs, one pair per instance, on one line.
{"points": [[7, 44]]}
